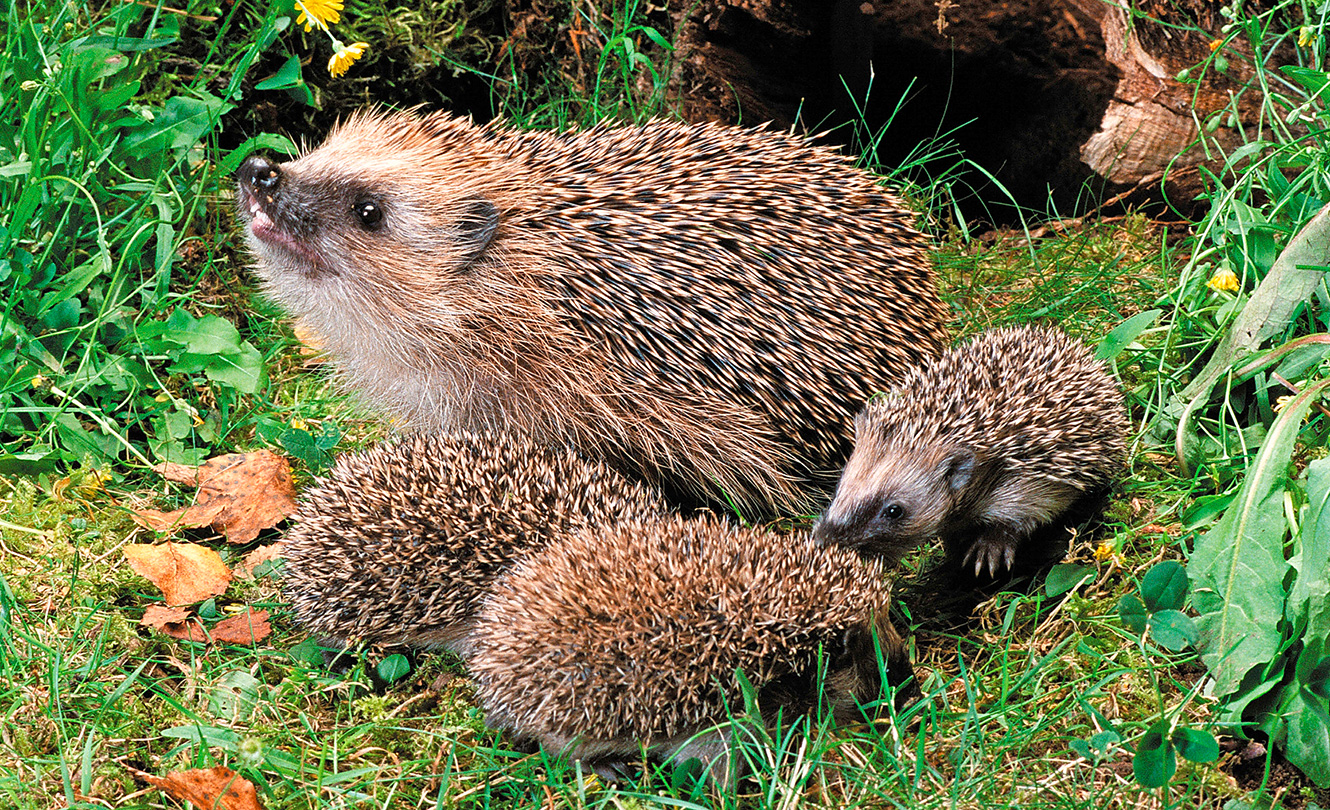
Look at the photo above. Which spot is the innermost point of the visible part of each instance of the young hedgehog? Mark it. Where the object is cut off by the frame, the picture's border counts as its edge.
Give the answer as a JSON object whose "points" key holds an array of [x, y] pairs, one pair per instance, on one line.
{"points": [[401, 543], [999, 437], [704, 306], [625, 636]]}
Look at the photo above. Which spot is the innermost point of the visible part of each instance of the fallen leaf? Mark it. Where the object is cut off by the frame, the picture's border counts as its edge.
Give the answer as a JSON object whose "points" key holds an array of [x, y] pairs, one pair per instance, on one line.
{"points": [[184, 572], [257, 557], [157, 616], [218, 788], [249, 627], [239, 495], [174, 622]]}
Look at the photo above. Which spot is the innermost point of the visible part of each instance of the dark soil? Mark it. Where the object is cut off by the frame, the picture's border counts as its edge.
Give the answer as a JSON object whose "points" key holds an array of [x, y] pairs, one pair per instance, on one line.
{"points": [[1018, 85], [1247, 760]]}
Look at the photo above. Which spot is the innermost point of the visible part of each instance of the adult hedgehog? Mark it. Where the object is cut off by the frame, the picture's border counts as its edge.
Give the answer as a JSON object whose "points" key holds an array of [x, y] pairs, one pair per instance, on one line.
{"points": [[705, 307]]}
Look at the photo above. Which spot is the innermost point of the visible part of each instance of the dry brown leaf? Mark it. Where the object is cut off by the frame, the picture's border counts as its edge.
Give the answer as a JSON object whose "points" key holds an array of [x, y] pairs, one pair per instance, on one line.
{"points": [[257, 557], [158, 617], [174, 622], [249, 627], [239, 495], [218, 788], [185, 573]]}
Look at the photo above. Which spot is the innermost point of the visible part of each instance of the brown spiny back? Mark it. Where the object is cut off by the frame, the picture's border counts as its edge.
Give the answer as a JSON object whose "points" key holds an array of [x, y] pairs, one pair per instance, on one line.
{"points": [[635, 631], [399, 544]]}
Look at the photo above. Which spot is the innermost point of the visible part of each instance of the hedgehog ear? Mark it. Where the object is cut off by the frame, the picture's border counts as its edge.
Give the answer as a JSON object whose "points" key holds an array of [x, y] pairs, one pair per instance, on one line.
{"points": [[476, 226], [957, 469]]}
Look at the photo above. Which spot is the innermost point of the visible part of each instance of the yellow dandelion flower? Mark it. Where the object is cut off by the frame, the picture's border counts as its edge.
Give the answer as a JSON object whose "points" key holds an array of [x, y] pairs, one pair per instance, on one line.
{"points": [[319, 13], [299, 424], [38, 380], [1103, 551], [1223, 279], [1280, 402], [344, 56], [1214, 44]]}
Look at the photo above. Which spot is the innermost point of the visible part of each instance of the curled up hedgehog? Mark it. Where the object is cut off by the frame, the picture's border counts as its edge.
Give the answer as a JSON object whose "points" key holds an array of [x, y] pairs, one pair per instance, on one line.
{"points": [[630, 636], [401, 543], [705, 307], [1001, 437]]}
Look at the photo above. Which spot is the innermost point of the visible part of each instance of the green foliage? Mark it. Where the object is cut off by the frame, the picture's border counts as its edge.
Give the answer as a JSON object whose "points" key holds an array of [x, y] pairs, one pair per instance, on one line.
{"points": [[313, 449], [102, 180], [1264, 616], [1255, 275], [1156, 612]]}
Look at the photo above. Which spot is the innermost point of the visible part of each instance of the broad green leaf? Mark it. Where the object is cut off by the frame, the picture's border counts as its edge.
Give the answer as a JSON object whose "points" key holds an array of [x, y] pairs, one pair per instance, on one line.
{"points": [[1132, 611], [1105, 740], [241, 369], [307, 652], [1066, 576], [234, 696], [1312, 550], [1172, 629], [301, 444], [1295, 275], [1307, 743], [1313, 80], [1124, 333], [209, 335], [287, 76], [1196, 745], [1205, 509], [1307, 736], [75, 282], [394, 667], [1155, 762], [1165, 586], [180, 124], [30, 463], [1237, 569]]}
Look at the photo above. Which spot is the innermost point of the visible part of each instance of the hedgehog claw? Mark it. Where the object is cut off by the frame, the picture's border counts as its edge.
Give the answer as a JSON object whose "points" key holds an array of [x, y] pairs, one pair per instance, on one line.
{"points": [[987, 555]]}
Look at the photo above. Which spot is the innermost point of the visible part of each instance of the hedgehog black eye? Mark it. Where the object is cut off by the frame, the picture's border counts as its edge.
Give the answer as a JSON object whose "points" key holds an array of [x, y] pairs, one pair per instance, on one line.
{"points": [[893, 511], [369, 213]]}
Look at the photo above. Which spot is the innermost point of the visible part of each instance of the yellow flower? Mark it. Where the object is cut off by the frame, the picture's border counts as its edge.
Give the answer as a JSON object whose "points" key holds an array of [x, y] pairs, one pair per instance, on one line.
{"points": [[318, 12], [1103, 551], [1214, 44], [1280, 402], [1223, 279], [38, 380], [1304, 36], [299, 424], [344, 56]]}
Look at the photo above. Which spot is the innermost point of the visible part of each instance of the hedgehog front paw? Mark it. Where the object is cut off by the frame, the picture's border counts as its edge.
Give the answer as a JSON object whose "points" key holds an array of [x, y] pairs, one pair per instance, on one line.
{"points": [[996, 553]]}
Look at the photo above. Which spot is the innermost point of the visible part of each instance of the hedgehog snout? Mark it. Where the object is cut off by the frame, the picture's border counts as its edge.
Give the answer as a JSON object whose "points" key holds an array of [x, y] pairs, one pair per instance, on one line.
{"points": [[260, 176], [828, 531]]}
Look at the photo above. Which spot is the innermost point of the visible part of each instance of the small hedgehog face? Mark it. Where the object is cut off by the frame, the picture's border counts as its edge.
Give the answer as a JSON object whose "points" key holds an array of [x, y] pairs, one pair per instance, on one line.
{"points": [[891, 497]]}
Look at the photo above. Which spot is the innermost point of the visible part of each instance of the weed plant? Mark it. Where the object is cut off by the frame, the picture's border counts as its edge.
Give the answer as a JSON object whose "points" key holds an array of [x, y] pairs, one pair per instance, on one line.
{"points": [[130, 337]]}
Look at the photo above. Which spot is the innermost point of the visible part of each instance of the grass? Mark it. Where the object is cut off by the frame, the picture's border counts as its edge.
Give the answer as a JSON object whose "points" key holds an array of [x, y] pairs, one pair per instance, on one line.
{"points": [[1029, 700]]}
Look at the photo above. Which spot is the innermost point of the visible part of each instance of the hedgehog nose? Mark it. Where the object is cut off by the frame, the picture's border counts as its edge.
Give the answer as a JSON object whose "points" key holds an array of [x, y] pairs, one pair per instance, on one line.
{"points": [[260, 174]]}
